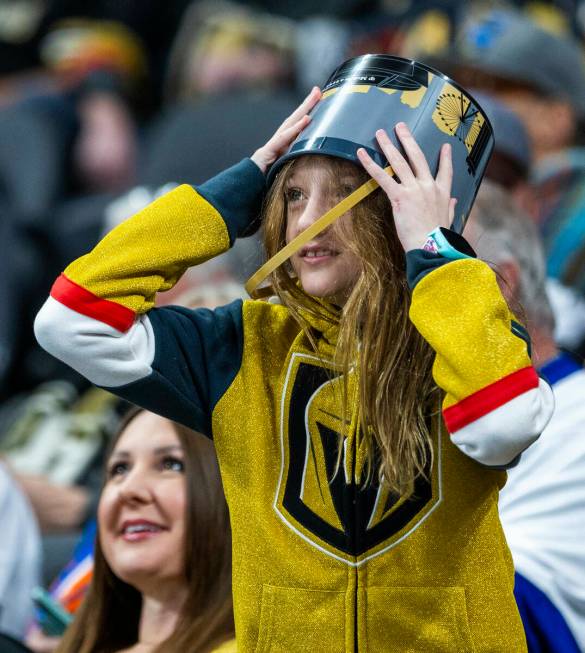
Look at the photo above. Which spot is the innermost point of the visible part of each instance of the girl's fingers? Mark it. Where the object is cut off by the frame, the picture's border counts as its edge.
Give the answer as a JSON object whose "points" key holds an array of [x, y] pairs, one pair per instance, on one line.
{"points": [[385, 181], [285, 137], [399, 164], [306, 105], [445, 172], [452, 204], [278, 144], [415, 155]]}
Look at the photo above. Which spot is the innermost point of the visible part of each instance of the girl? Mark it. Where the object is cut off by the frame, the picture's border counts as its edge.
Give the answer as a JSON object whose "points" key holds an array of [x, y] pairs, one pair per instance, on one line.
{"points": [[358, 523], [162, 568]]}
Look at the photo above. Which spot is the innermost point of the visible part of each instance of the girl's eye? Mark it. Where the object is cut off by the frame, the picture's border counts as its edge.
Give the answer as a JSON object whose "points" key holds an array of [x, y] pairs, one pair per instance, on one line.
{"points": [[294, 195], [117, 469], [346, 189], [172, 464]]}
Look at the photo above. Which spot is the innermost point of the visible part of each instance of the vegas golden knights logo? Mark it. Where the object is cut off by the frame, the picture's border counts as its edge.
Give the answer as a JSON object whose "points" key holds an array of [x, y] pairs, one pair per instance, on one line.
{"points": [[333, 509]]}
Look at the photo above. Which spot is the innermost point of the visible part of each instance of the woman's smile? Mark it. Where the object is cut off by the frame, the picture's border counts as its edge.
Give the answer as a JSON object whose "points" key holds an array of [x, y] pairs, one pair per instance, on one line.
{"points": [[139, 530]]}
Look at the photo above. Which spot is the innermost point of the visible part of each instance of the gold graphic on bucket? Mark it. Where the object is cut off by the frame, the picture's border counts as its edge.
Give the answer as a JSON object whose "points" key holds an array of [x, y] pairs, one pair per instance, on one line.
{"points": [[414, 98], [353, 88], [411, 98], [456, 116]]}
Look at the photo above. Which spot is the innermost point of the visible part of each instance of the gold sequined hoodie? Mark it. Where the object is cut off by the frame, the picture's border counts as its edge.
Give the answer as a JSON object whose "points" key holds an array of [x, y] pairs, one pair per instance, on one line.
{"points": [[320, 562]]}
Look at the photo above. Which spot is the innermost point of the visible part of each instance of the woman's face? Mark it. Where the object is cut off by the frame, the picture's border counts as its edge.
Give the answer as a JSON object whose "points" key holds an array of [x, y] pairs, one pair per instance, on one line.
{"points": [[325, 266], [142, 509]]}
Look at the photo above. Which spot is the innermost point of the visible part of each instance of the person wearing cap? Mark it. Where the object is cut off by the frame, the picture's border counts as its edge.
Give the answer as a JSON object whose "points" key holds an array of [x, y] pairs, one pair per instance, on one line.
{"points": [[538, 74], [542, 506], [362, 519], [541, 76], [509, 167], [511, 160]]}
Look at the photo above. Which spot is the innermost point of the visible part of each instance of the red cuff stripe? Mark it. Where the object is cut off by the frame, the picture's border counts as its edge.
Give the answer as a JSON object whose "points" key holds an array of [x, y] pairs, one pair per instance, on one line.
{"points": [[82, 301], [493, 396]]}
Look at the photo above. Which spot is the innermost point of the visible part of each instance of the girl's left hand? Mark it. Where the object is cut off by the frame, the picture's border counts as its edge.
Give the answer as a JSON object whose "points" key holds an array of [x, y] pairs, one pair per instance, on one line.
{"points": [[265, 156], [419, 202]]}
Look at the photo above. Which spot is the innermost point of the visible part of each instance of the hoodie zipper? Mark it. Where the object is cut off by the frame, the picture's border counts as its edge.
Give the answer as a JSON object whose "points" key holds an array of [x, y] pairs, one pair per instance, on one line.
{"points": [[354, 543]]}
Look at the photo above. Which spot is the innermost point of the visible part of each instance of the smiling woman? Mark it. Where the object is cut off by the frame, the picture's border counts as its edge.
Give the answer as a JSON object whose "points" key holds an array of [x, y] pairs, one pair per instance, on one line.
{"points": [[163, 553], [142, 509]]}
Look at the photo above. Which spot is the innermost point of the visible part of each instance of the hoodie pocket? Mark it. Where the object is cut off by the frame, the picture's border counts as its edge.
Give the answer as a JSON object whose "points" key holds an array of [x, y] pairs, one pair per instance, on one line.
{"points": [[417, 620], [296, 620]]}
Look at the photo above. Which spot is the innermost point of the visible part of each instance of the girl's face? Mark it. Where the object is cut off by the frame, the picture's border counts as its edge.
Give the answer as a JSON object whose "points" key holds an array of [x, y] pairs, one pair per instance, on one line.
{"points": [[142, 509], [325, 267]]}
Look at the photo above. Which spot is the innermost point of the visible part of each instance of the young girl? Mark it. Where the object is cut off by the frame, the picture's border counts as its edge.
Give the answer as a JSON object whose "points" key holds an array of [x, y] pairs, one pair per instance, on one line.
{"points": [[358, 523]]}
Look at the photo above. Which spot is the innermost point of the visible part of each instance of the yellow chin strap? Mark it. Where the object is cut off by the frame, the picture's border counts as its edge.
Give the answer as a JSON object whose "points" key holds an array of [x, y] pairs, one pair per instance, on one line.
{"points": [[308, 234]]}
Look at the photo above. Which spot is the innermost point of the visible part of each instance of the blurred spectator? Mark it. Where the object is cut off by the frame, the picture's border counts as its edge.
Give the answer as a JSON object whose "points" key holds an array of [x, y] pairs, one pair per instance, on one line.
{"points": [[542, 506], [77, 80], [509, 167], [421, 29], [503, 53], [54, 442], [73, 124], [541, 76], [225, 46], [560, 186], [162, 570], [20, 557], [68, 590], [511, 159]]}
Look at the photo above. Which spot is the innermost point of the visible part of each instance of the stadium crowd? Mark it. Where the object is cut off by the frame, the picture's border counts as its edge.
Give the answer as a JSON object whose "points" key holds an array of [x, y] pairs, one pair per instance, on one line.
{"points": [[104, 107]]}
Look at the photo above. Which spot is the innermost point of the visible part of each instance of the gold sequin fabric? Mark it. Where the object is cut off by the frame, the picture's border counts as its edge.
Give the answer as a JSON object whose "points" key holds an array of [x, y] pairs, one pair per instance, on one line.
{"points": [[442, 582], [319, 563], [120, 267]]}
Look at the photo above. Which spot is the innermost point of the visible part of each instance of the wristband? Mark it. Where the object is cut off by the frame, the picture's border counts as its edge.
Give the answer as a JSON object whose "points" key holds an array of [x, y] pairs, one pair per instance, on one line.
{"points": [[437, 243]]}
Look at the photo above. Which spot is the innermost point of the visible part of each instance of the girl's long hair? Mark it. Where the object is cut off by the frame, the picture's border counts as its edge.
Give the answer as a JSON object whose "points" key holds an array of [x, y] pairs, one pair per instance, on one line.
{"points": [[109, 617], [396, 393]]}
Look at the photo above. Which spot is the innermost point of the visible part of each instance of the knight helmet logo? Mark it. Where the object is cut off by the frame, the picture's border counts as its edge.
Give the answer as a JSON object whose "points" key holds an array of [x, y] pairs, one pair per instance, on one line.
{"points": [[329, 505]]}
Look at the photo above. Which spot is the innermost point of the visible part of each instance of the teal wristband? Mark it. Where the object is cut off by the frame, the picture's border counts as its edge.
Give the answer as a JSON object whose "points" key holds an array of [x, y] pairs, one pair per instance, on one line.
{"points": [[436, 243]]}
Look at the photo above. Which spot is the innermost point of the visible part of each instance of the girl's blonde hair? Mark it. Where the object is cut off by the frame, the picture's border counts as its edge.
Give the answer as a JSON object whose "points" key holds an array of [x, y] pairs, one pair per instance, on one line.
{"points": [[396, 392]]}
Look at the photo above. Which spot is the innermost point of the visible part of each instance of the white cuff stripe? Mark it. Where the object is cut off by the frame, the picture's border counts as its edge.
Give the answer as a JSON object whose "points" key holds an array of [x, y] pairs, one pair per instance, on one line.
{"points": [[99, 352], [498, 437]]}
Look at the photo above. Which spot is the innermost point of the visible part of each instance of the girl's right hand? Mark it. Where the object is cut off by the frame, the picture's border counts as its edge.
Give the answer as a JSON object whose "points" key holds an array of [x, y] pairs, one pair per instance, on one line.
{"points": [[265, 156]]}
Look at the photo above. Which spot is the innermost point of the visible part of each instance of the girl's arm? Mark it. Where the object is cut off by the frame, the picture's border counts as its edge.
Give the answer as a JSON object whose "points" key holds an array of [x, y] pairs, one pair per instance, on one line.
{"points": [[495, 405], [100, 318]]}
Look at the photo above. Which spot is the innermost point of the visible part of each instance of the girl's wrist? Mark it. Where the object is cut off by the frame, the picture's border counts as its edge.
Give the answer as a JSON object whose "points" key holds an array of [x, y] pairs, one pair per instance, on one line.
{"points": [[260, 161], [416, 239], [448, 244]]}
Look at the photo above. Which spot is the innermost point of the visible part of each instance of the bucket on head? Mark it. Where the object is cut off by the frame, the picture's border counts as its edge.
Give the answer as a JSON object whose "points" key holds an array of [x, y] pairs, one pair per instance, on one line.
{"points": [[376, 91]]}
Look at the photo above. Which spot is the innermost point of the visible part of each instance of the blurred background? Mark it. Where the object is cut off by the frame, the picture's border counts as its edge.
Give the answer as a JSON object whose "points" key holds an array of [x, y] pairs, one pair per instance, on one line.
{"points": [[104, 105]]}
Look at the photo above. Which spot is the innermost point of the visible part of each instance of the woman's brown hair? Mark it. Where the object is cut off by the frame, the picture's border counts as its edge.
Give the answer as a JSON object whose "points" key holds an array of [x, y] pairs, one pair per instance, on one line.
{"points": [[396, 392], [108, 620]]}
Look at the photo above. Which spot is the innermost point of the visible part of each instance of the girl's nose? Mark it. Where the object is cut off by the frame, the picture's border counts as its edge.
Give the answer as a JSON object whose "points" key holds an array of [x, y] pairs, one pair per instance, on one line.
{"points": [[314, 209]]}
